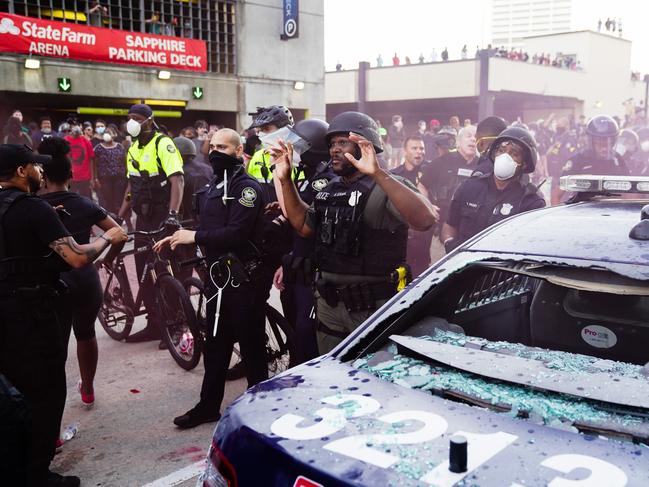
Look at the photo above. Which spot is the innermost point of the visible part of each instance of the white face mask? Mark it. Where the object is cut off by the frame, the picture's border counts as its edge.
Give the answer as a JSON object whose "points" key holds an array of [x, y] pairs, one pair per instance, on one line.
{"points": [[100, 130], [504, 167], [645, 146], [620, 148], [134, 127], [107, 137]]}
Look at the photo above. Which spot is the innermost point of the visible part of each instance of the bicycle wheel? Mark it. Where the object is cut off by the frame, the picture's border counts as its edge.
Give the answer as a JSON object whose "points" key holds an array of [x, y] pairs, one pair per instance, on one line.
{"points": [[195, 289], [179, 324], [115, 316], [280, 342]]}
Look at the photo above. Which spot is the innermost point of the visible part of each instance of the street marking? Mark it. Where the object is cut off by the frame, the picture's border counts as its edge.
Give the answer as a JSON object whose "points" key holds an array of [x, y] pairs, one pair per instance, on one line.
{"points": [[179, 476]]}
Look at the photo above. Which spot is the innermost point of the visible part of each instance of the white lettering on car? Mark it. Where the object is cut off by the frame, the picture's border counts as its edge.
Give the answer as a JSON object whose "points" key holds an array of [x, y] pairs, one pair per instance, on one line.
{"points": [[481, 447]]}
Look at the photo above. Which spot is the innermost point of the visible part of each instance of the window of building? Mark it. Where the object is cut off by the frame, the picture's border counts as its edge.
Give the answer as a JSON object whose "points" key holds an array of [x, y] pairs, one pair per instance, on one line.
{"points": [[211, 21]]}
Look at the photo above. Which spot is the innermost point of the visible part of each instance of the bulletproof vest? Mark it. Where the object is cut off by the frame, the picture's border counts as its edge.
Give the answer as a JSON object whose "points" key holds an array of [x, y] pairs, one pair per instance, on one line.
{"points": [[20, 270], [149, 191], [346, 243]]}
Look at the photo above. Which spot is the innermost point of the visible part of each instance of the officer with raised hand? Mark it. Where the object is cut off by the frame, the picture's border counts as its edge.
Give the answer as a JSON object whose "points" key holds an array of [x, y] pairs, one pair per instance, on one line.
{"points": [[360, 223], [229, 213], [31, 346], [272, 124], [296, 275], [154, 192], [484, 200]]}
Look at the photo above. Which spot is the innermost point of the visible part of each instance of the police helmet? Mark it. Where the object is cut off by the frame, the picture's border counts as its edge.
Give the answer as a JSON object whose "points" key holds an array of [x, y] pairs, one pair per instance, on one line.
{"points": [[277, 115], [602, 126], [360, 124], [314, 131], [630, 140], [643, 133], [524, 138], [185, 146]]}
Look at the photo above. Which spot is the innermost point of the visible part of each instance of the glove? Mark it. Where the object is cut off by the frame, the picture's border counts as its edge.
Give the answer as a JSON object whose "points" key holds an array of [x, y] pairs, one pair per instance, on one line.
{"points": [[172, 220]]}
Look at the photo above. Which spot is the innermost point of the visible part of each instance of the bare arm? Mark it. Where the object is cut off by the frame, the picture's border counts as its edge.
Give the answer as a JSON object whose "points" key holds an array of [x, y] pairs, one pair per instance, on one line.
{"points": [[294, 208], [416, 210], [106, 224], [177, 182], [78, 255]]}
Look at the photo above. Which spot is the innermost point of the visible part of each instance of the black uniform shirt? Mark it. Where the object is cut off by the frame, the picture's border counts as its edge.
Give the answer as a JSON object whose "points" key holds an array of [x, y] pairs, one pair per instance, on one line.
{"points": [[584, 163], [80, 213], [197, 176], [230, 226], [413, 176], [478, 203], [29, 226]]}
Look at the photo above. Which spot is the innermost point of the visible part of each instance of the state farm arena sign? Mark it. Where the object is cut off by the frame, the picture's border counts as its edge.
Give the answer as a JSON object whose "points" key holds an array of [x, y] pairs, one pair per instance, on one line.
{"points": [[26, 35]]}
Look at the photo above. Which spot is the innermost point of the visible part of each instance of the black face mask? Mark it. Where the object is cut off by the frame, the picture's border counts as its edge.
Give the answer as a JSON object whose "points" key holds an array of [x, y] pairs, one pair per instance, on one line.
{"points": [[220, 161]]}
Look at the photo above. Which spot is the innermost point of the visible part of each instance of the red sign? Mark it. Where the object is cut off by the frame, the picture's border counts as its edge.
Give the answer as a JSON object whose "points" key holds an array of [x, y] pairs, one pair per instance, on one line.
{"points": [[302, 481], [26, 35]]}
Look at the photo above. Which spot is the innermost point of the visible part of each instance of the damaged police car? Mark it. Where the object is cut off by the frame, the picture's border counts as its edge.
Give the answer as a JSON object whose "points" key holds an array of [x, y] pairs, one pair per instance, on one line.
{"points": [[517, 360]]}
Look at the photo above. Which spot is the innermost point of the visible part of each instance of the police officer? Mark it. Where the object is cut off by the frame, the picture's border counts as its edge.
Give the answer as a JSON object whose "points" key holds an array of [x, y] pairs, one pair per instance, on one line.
{"points": [[599, 156], [229, 213], [640, 160], [154, 192], [272, 123], [31, 346], [412, 169], [445, 174], [296, 275], [562, 148], [487, 131], [196, 175], [484, 200], [360, 222]]}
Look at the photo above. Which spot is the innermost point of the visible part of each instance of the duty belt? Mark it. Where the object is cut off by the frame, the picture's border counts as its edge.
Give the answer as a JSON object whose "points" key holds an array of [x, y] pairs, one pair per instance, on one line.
{"points": [[356, 297]]}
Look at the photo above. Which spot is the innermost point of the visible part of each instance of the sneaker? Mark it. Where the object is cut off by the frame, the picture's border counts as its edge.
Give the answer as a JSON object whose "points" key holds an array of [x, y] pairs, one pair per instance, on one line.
{"points": [[88, 400], [194, 417], [57, 480], [59, 446], [149, 334], [162, 345]]}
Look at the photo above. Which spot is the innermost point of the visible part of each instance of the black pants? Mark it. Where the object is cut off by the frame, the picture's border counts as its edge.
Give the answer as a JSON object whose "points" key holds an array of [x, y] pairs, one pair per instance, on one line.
{"points": [[148, 223], [80, 305], [298, 303], [32, 359], [241, 320], [111, 192]]}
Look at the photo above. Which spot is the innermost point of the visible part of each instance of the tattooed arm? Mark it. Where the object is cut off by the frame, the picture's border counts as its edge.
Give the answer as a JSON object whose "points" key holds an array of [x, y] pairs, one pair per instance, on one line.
{"points": [[78, 255]]}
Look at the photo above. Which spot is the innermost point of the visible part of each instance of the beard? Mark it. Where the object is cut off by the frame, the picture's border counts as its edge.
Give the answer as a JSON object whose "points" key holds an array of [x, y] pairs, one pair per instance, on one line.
{"points": [[34, 184]]}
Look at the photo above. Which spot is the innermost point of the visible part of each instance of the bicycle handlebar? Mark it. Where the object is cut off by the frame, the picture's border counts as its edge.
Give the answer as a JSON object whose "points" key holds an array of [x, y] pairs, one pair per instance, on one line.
{"points": [[191, 262], [154, 233]]}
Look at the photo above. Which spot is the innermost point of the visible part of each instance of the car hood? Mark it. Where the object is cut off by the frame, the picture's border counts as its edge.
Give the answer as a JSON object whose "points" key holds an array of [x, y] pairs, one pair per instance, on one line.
{"points": [[337, 425]]}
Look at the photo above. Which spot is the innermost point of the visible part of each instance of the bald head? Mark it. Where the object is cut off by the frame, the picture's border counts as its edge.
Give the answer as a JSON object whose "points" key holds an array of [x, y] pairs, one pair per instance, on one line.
{"points": [[227, 141]]}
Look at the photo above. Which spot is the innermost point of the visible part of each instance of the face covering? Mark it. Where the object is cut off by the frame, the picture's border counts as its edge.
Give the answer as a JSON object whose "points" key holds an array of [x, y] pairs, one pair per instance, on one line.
{"points": [[504, 167], [220, 161], [133, 127], [100, 130], [46, 131], [645, 146], [107, 137], [620, 148]]}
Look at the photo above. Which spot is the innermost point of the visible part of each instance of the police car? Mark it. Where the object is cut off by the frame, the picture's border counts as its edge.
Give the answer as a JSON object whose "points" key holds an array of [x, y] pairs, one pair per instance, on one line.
{"points": [[517, 360]]}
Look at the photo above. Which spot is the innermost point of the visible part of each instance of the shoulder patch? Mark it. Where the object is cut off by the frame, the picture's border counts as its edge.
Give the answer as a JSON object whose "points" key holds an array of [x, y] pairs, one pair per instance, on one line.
{"points": [[248, 197], [171, 148], [320, 184]]}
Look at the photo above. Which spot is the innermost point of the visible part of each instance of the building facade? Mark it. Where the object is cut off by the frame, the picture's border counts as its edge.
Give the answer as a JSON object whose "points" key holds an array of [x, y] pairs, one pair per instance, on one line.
{"points": [[211, 59]]}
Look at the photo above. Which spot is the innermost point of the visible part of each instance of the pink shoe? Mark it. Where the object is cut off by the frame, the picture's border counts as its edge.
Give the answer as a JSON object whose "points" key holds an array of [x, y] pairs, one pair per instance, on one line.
{"points": [[87, 399], [59, 444]]}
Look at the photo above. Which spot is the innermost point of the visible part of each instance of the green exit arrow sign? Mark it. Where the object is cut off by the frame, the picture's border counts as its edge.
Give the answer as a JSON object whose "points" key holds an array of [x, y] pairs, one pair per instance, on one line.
{"points": [[197, 92], [65, 85]]}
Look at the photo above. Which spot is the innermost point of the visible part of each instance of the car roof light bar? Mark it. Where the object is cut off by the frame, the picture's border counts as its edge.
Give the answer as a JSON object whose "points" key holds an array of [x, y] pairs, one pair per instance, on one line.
{"points": [[587, 183]]}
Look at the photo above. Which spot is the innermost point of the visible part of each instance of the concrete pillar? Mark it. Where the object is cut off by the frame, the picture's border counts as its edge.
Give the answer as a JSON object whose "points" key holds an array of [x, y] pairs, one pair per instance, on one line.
{"points": [[485, 98], [363, 67]]}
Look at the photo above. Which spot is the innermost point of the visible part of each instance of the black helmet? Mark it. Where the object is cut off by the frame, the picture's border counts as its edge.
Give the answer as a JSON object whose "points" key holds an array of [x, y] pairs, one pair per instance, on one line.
{"points": [[314, 131], [523, 137], [276, 114], [360, 124], [602, 126]]}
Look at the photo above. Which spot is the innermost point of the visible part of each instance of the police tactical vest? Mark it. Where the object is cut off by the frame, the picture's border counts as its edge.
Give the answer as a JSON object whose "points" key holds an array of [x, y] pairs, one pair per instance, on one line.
{"points": [[346, 242], [147, 189]]}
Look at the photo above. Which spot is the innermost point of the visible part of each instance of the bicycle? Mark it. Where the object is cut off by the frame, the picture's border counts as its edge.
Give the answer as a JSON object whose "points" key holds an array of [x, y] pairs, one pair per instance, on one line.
{"points": [[119, 307], [280, 336]]}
